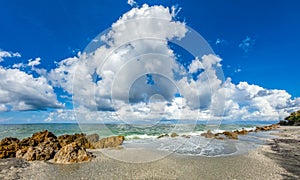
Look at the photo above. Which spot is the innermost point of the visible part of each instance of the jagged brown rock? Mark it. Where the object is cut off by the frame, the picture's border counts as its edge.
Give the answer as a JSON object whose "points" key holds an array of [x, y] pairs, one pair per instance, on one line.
{"points": [[113, 141], [92, 138], [230, 135], [8, 147], [80, 139], [39, 153], [72, 153], [44, 137], [243, 132], [40, 146], [208, 134], [174, 135]]}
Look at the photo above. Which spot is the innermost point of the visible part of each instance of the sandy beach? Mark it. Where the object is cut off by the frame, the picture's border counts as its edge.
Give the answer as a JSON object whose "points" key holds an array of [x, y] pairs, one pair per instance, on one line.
{"points": [[278, 159]]}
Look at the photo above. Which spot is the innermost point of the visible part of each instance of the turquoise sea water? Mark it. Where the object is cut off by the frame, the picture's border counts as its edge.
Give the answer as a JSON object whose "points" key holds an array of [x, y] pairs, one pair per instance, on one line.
{"points": [[145, 135]]}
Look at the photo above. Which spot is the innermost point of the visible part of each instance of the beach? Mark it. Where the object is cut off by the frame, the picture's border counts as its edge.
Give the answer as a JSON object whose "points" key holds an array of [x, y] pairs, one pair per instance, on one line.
{"points": [[264, 162]]}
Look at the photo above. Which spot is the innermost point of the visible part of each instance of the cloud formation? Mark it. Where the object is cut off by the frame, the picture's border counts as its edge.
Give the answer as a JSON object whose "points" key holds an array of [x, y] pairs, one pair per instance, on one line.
{"points": [[133, 75], [20, 91], [6, 54], [131, 2]]}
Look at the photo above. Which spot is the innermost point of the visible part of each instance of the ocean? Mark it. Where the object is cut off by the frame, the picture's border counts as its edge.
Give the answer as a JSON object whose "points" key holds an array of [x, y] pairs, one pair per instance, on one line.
{"points": [[145, 135]]}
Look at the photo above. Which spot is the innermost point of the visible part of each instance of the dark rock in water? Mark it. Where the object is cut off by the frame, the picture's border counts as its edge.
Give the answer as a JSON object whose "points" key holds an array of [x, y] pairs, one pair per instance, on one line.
{"points": [[72, 153], [8, 147], [230, 135], [113, 141], [174, 135], [163, 135], [267, 128], [92, 138], [243, 132], [208, 134], [292, 120], [80, 139], [186, 136]]}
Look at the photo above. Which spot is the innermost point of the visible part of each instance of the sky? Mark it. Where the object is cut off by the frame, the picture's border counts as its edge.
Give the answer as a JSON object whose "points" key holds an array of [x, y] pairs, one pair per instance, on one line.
{"points": [[45, 76]]}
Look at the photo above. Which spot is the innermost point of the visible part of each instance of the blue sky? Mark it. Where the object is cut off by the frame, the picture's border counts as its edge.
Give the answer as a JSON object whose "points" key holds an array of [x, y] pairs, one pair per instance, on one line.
{"points": [[257, 40]]}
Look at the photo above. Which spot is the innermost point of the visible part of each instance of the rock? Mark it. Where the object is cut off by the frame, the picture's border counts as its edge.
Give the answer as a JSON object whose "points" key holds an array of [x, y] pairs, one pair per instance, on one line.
{"points": [[267, 128], [208, 134], [80, 139], [92, 138], [113, 141], [243, 132], [163, 135], [40, 152], [72, 153], [45, 138], [8, 147], [186, 136], [174, 135], [230, 135]]}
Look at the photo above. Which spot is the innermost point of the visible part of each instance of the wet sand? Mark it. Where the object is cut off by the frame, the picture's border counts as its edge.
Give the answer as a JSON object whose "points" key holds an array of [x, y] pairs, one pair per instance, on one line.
{"points": [[262, 163]]}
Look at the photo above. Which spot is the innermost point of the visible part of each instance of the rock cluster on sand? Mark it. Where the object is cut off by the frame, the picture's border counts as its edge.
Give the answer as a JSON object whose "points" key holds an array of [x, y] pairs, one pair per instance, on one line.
{"points": [[235, 134], [292, 120], [64, 149]]}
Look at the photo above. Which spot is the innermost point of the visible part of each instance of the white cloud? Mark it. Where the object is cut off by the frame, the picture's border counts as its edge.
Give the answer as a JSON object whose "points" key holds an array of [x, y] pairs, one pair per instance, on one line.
{"points": [[137, 46], [112, 82], [21, 91], [247, 44], [34, 62], [237, 70], [220, 41], [131, 2], [6, 54]]}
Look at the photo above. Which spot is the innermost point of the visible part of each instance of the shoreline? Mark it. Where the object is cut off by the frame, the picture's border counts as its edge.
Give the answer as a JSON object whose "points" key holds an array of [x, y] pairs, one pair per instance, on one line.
{"points": [[262, 163]]}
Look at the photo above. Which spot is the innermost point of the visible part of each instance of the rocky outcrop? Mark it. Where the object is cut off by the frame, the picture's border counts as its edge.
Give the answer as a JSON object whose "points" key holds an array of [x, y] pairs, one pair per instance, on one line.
{"points": [[64, 149], [292, 120], [39, 153], [40, 146], [113, 141], [72, 153], [80, 139], [242, 132], [92, 138], [266, 128], [208, 134], [230, 135], [44, 137], [8, 147], [174, 135]]}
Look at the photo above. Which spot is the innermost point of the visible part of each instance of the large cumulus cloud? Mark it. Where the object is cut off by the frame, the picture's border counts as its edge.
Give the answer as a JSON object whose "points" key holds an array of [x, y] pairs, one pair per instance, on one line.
{"points": [[135, 63], [21, 91]]}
